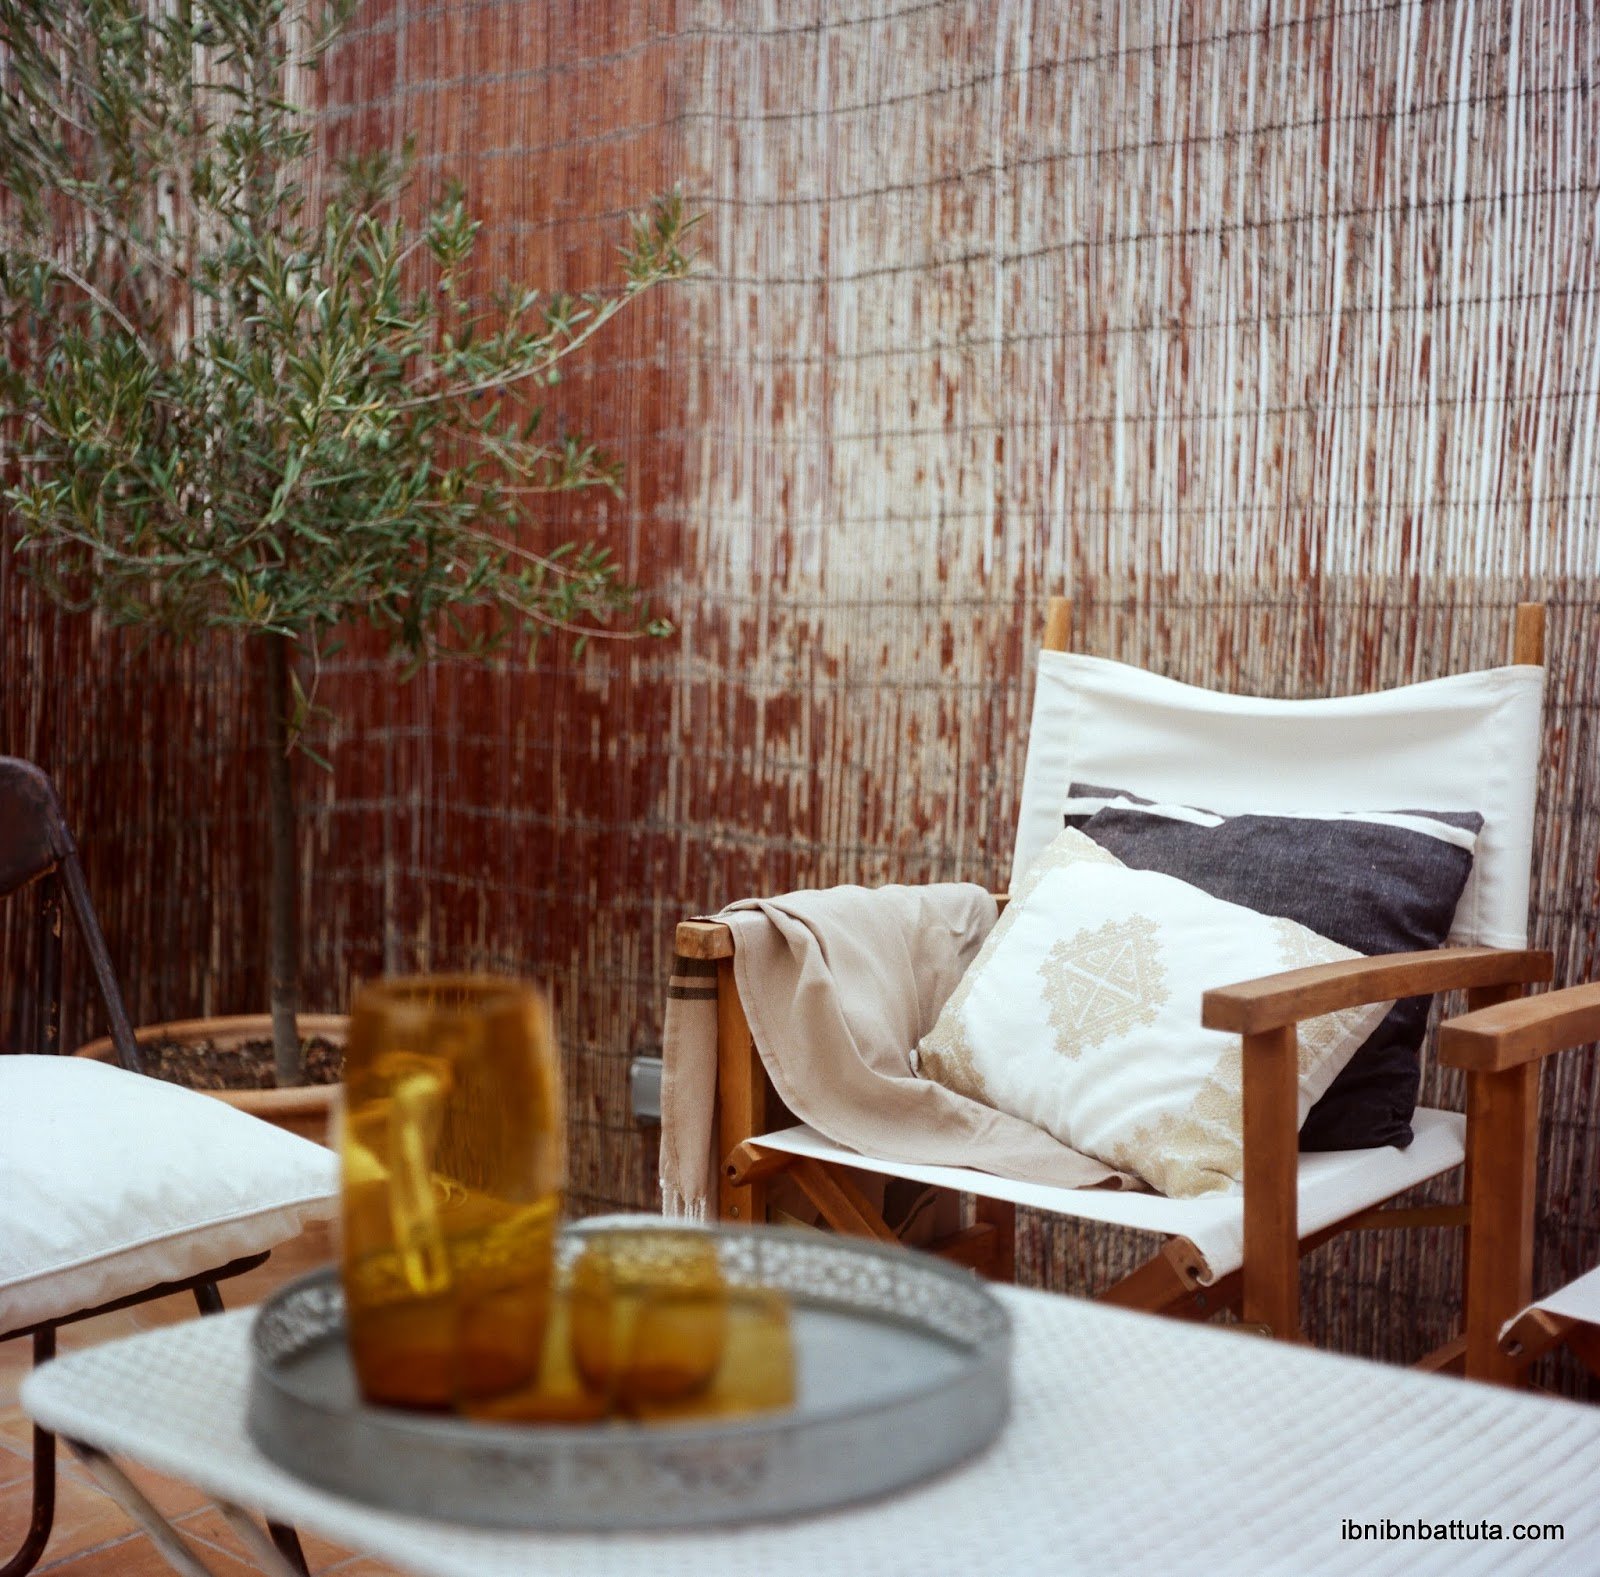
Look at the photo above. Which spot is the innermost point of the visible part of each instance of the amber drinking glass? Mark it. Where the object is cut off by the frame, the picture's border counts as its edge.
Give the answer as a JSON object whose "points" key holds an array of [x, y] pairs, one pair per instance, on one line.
{"points": [[649, 1312], [454, 1162], [655, 1330]]}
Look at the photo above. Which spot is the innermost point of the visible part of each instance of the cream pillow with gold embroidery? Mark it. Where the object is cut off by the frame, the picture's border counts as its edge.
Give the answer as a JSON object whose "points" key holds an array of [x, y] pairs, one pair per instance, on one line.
{"points": [[1081, 1014]]}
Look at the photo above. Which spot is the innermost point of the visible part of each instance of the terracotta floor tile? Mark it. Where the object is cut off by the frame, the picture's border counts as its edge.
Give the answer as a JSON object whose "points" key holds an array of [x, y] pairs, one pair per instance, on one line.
{"points": [[16, 1351], [211, 1526], [138, 1557], [16, 1467], [85, 1518], [16, 1359], [364, 1566], [16, 1431], [170, 1496]]}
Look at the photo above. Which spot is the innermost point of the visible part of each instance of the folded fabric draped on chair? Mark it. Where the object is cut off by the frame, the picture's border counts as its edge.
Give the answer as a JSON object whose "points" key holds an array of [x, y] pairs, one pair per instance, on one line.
{"points": [[838, 987]]}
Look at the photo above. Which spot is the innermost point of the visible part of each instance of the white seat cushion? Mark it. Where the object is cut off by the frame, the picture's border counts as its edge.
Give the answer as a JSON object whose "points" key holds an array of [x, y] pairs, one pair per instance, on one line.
{"points": [[1333, 1184], [112, 1182]]}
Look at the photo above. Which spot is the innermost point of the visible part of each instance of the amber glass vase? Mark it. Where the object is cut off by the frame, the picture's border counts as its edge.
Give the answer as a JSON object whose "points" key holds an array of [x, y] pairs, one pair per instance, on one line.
{"points": [[453, 1159]]}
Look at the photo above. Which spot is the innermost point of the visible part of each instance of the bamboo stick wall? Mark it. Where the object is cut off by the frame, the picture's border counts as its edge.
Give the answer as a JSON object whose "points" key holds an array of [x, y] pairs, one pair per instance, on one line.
{"points": [[1268, 331]]}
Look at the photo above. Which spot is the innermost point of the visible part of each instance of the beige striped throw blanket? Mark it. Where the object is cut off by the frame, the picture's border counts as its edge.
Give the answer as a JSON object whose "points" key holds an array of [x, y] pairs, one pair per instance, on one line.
{"points": [[839, 985]]}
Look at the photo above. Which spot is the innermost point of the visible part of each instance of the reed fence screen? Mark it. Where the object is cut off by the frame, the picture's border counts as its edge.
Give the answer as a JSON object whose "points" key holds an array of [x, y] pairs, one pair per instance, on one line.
{"points": [[1270, 332]]}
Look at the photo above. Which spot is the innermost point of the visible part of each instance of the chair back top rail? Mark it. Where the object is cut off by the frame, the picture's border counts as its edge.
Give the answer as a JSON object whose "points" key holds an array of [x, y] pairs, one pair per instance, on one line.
{"points": [[1465, 742]]}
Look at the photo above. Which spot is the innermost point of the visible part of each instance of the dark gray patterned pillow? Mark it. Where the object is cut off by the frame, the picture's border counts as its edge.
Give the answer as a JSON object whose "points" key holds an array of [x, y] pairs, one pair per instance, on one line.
{"points": [[1378, 882]]}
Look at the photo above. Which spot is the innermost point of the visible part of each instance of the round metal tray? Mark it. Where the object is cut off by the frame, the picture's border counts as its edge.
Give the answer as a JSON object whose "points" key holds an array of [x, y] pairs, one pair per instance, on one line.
{"points": [[903, 1369]]}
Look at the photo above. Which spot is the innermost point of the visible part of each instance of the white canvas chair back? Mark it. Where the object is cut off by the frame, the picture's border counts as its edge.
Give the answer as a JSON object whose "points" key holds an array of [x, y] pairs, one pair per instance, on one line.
{"points": [[1468, 742]]}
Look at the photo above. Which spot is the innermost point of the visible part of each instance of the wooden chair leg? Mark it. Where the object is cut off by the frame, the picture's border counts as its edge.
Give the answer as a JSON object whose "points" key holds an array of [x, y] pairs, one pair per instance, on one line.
{"points": [[741, 1100], [1584, 1340], [1533, 1335], [1538, 1332], [1503, 1118], [1000, 1216], [972, 1246], [1485, 997], [749, 1163], [1153, 1286], [1448, 1358], [1168, 1283], [1271, 1182]]}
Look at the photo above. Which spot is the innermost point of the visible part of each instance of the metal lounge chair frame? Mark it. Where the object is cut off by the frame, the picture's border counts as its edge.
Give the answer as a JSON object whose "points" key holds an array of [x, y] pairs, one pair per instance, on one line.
{"points": [[37, 848]]}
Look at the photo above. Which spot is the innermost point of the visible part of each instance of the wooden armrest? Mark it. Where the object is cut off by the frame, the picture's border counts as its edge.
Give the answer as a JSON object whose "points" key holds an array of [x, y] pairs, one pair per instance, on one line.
{"points": [[1511, 1033], [1275, 1001], [703, 939]]}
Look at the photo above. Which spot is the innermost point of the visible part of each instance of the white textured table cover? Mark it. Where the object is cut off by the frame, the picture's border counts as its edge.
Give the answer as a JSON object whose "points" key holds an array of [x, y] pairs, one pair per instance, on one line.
{"points": [[1137, 1445]]}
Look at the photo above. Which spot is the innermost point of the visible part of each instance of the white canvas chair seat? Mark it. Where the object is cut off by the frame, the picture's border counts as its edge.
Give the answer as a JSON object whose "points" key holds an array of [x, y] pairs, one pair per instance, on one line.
{"points": [[1334, 1185], [1579, 1300]]}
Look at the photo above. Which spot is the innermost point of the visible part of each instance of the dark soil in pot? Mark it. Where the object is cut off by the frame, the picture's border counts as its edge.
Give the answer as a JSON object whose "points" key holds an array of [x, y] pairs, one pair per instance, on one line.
{"points": [[202, 1065]]}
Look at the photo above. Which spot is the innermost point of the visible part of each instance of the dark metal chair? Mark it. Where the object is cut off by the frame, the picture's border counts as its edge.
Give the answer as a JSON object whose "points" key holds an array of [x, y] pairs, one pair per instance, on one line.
{"points": [[36, 849]]}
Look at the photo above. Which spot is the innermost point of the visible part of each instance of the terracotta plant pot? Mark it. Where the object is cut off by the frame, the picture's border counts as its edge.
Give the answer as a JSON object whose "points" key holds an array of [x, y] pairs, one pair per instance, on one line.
{"points": [[304, 1110]]}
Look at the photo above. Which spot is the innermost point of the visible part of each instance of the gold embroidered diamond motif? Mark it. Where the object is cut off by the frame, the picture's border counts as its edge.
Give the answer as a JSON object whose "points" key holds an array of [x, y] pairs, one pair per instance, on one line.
{"points": [[1103, 983], [1298, 948]]}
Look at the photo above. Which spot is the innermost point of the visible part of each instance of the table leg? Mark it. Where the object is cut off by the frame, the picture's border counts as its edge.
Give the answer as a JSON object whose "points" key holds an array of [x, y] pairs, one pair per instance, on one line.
{"points": [[268, 1556], [178, 1552]]}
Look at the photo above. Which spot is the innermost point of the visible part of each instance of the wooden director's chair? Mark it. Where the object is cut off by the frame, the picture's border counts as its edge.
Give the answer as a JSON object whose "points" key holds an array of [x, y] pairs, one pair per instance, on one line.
{"points": [[1501, 1048], [1220, 1252]]}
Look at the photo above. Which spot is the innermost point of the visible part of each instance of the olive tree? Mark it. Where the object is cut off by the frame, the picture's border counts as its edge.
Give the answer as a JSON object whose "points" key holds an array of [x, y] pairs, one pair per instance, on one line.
{"points": [[247, 393]]}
